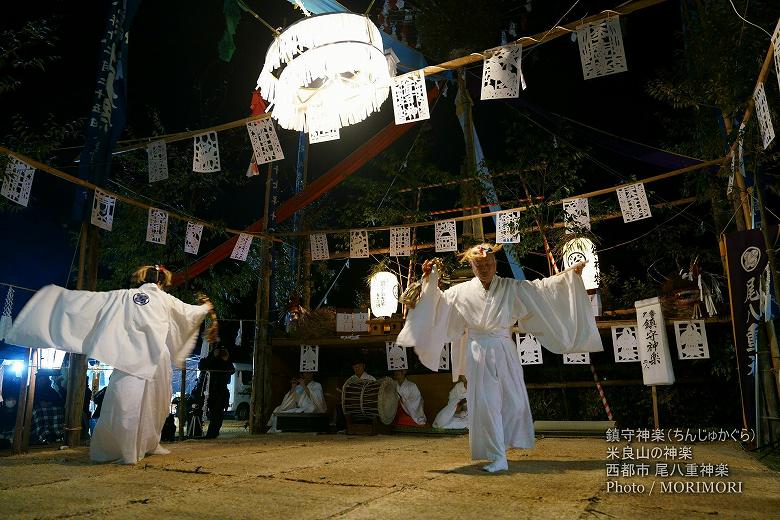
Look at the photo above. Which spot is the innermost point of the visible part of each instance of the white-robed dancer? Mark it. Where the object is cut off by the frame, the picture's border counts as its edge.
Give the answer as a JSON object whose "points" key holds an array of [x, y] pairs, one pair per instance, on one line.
{"points": [[477, 317], [138, 332], [455, 415], [305, 396]]}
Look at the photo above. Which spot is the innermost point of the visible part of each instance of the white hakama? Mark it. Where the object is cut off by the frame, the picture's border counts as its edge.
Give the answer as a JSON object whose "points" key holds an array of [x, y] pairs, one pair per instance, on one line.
{"points": [[478, 322], [138, 332]]}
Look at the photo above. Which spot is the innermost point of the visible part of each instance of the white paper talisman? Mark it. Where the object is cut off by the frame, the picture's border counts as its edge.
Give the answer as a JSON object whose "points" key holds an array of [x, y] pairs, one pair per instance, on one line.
{"points": [[241, 249], [446, 236], [205, 154], [691, 339]]}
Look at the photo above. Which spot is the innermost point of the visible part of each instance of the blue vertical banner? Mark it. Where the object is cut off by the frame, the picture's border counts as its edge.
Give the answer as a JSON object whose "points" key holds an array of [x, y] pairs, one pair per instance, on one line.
{"points": [[107, 116], [746, 259]]}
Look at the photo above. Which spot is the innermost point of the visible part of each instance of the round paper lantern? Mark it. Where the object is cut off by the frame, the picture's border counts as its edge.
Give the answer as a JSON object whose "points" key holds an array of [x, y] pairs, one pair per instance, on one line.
{"points": [[577, 250], [384, 294]]}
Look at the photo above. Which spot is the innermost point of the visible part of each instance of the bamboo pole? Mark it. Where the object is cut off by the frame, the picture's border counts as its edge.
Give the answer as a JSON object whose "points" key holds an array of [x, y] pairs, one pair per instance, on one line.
{"points": [[604, 191], [420, 247], [90, 186], [261, 377]]}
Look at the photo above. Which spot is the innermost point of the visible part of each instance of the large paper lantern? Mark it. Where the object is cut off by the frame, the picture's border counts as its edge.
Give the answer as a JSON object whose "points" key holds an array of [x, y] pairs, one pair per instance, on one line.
{"points": [[384, 294], [325, 72]]}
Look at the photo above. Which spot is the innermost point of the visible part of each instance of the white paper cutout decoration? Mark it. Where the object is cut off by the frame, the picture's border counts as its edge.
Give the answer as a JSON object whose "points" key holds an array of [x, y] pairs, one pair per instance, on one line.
{"points": [[323, 125], [157, 154], [205, 154], [764, 118], [580, 358], [446, 236], [501, 73], [360, 321], [691, 339], [582, 249], [324, 135], [400, 241], [265, 142], [601, 48], [358, 243], [103, 206], [576, 214], [310, 358], [157, 226], [410, 100], [5, 319], [508, 227], [17, 181], [528, 349], [444, 358], [653, 345], [319, 246], [192, 239], [396, 356], [241, 249], [633, 202], [343, 322], [625, 345]]}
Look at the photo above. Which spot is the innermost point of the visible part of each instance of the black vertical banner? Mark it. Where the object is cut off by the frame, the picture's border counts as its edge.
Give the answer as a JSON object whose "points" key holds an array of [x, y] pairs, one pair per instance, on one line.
{"points": [[746, 260]]}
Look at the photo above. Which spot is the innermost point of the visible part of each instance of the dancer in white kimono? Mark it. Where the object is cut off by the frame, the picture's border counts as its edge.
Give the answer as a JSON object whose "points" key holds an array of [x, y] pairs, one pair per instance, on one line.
{"points": [[477, 317], [455, 415], [305, 396], [138, 332], [410, 401]]}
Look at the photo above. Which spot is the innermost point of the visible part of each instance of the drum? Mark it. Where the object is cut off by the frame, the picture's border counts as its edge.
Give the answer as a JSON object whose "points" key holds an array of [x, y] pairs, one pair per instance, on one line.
{"points": [[365, 398]]}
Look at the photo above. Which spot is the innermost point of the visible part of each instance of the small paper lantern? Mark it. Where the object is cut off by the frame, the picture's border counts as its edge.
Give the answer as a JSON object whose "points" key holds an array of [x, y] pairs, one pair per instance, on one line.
{"points": [[577, 250], [384, 294]]}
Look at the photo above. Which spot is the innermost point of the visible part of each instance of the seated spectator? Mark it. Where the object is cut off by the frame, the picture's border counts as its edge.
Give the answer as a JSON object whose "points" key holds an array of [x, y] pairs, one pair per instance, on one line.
{"points": [[454, 416], [305, 396], [410, 402]]}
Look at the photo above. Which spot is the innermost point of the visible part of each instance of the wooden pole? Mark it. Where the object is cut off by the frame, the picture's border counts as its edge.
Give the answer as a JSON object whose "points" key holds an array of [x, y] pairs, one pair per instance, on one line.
{"points": [[261, 377], [21, 442], [470, 192], [656, 423], [77, 369]]}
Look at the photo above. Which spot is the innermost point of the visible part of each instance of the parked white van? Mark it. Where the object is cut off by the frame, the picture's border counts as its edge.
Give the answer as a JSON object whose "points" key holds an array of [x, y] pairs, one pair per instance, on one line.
{"points": [[240, 391]]}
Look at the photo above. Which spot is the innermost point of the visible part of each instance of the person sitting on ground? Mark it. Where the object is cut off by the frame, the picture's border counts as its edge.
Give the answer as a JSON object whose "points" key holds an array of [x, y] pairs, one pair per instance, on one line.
{"points": [[410, 402], [454, 416], [305, 396], [220, 369]]}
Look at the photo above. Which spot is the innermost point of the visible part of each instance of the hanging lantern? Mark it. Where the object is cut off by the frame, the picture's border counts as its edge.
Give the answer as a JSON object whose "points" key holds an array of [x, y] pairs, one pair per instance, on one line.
{"points": [[384, 294], [325, 72], [582, 249]]}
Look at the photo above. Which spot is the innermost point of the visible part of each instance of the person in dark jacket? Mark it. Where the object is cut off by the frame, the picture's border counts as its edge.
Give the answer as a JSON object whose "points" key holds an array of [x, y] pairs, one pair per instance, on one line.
{"points": [[220, 369]]}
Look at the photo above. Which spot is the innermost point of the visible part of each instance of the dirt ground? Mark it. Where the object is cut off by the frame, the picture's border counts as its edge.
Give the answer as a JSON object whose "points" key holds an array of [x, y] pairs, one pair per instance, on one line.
{"points": [[305, 476]]}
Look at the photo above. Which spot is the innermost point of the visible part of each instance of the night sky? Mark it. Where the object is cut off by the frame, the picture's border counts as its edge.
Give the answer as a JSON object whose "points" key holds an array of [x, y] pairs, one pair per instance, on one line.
{"points": [[174, 69]]}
